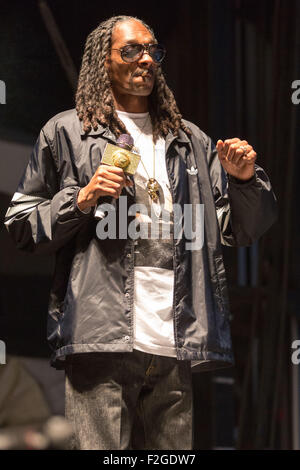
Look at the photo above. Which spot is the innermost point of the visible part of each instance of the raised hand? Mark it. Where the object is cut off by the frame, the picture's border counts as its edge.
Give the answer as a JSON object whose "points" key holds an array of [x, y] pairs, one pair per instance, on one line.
{"points": [[237, 158]]}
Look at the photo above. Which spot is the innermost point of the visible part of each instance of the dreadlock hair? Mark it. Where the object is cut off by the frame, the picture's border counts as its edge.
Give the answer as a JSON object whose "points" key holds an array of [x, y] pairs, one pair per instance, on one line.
{"points": [[94, 99]]}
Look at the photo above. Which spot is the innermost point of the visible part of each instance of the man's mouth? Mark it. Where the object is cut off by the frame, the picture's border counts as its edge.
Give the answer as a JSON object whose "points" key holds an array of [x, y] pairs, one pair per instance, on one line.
{"points": [[145, 74]]}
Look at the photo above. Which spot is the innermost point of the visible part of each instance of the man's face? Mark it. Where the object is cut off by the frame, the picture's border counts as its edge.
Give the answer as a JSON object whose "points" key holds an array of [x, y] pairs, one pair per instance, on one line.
{"points": [[136, 78]]}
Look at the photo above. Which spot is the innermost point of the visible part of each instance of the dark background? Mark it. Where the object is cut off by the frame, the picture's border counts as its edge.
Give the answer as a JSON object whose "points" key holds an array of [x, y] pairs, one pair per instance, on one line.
{"points": [[230, 64]]}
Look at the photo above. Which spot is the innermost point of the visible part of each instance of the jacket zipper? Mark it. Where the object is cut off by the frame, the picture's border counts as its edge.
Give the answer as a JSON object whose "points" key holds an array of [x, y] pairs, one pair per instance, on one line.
{"points": [[174, 258]]}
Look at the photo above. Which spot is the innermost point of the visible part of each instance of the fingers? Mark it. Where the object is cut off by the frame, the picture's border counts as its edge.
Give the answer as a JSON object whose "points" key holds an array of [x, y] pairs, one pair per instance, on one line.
{"points": [[110, 180], [250, 157], [108, 191], [237, 158], [220, 145], [226, 148], [112, 173], [108, 183], [231, 146], [245, 154], [234, 150], [237, 150]]}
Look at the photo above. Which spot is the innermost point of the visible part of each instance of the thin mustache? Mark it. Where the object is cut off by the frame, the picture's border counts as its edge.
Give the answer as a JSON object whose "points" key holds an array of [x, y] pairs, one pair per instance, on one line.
{"points": [[142, 73]]}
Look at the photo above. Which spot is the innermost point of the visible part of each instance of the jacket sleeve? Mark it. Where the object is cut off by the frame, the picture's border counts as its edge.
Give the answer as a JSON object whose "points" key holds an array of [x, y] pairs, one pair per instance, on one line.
{"points": [[245, 210], [43, 214]]}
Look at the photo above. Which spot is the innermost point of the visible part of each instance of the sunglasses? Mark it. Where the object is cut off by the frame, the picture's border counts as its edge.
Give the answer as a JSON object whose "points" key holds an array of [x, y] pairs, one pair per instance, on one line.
{"points": [[133, 52]]}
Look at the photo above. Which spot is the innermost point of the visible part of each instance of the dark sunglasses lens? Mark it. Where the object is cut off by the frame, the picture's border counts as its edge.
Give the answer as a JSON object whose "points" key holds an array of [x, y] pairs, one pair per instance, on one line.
{"points": [[132, 53], [157, 53]]}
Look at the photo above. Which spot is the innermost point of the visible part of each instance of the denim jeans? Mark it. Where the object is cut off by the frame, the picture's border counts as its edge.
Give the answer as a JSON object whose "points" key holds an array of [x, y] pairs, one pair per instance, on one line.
{"points": [[134, 400]]}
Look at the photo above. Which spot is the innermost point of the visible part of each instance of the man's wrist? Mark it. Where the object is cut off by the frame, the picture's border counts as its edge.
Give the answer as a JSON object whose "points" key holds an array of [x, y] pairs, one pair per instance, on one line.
{"points": [[82, 203]]}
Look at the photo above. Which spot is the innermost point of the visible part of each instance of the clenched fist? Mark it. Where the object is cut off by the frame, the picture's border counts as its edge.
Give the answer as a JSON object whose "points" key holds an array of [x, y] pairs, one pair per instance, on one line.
{"points": [[107, 181], [237, 158]]}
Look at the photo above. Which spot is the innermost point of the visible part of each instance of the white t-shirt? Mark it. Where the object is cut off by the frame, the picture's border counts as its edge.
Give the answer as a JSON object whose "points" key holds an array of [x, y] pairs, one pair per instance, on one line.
{"points": [[153, 272]]}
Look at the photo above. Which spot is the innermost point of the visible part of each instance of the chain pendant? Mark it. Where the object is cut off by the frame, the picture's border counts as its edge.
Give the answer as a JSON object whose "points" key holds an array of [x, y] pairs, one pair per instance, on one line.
{"points": [[152, 187]]}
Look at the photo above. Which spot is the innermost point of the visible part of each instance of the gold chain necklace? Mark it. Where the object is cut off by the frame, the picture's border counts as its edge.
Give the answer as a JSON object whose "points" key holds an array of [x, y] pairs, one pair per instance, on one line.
{"points": [[152, 185], [143, 127]]}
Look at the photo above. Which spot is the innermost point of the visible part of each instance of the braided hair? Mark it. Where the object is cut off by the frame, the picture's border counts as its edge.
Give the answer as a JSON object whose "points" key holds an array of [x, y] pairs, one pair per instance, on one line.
{"points": [[94, 98]]}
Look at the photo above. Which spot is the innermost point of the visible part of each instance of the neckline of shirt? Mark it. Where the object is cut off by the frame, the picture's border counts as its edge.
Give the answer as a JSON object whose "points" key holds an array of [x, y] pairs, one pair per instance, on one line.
{"points": [[133, 115]]}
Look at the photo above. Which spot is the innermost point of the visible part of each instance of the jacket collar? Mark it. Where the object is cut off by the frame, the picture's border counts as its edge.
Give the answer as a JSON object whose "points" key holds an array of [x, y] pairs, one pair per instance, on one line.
{"points": [[182, 138], [101, 130], [106, 133]]}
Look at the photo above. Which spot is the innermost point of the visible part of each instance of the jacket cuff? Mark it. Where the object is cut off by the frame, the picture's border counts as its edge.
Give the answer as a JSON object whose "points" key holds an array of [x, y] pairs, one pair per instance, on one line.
{"points": [[243, 183], [77, 210]]}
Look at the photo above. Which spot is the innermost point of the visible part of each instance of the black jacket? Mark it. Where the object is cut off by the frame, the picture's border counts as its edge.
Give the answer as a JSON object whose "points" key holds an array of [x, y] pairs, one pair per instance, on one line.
{"points": [[91, 301]]}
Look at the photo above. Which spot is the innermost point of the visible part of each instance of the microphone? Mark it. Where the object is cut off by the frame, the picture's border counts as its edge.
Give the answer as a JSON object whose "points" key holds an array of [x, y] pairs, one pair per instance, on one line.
{"points": [[125, 141], [122, 156]]}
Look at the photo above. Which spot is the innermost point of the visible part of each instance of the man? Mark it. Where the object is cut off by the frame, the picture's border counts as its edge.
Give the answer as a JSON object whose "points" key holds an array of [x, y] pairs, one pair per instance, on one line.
{"points": [[127, 316]]}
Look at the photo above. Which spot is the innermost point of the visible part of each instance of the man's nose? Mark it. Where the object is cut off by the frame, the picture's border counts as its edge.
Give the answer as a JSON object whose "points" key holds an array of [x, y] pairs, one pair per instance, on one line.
{"points": [[146, 59]]}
